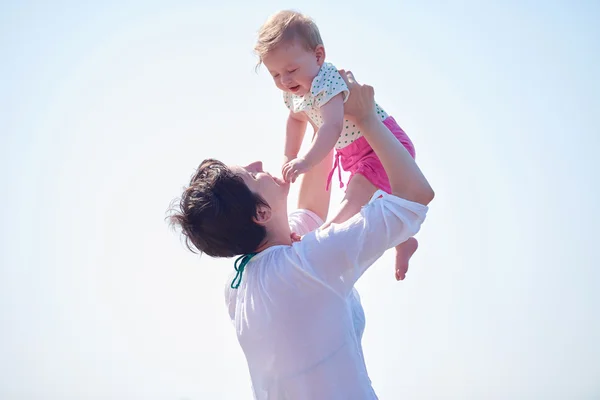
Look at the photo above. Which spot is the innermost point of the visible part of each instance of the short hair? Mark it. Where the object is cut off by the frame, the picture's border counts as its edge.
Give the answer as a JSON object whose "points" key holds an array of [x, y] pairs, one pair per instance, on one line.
{"points": [[284, 27], [216, 211]]}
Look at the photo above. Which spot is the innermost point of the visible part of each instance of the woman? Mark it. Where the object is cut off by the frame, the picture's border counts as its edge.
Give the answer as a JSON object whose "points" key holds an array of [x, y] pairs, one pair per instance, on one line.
{"points": [[297, 316]]}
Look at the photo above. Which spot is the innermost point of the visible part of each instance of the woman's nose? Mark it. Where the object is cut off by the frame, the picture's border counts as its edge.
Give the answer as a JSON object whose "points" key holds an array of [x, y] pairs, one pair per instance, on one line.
{"points": [[256, 166]]}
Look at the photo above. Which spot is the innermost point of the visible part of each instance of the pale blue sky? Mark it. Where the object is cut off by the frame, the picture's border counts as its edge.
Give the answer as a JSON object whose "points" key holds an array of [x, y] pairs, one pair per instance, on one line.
{"points": [[106, 109]]}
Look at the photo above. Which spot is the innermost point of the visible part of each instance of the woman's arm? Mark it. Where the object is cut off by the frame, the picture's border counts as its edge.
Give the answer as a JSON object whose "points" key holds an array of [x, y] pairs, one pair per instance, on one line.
{"points": [[406, 179], [341, 253], [312, 195]]}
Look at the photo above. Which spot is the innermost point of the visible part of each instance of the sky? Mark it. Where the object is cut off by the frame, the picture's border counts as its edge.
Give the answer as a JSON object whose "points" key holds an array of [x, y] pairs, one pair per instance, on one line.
{"points": [[106, 109]]}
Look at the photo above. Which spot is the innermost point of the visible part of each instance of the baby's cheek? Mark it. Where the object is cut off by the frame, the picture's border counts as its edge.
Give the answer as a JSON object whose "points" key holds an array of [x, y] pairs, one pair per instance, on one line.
{"points": [[280, 86], [308, 81]]}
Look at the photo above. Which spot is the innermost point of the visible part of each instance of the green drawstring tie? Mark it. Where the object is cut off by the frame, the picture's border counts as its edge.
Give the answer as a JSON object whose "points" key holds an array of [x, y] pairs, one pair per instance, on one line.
{"points": [[240, 270]]}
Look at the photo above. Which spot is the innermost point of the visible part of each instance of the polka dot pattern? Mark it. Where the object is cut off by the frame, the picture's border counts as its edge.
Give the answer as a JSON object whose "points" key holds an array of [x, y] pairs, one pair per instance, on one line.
{"points": [[325, 86]]}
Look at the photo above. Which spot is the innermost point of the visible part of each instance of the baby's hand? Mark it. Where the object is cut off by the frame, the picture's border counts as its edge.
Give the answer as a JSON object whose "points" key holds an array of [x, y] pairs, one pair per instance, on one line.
{"points": [[294, 168], [286, 159]]}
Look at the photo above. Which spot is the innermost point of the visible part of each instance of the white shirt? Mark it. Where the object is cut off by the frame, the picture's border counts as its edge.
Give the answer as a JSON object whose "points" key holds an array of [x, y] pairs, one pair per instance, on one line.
{"points": [[327, 84], [296, 313]]}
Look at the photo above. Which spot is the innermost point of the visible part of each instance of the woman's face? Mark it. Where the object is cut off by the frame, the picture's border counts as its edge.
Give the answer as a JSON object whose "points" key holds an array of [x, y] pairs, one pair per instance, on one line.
{"points": [[273, 190]]}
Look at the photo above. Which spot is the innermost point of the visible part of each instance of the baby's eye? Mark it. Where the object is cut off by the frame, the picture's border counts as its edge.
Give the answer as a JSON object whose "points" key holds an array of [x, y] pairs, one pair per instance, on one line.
{"points": [[294, 70], [276, 76]]}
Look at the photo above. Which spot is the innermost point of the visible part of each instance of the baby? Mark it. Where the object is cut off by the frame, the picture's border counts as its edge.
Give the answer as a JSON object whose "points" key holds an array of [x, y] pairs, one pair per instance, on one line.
{"points": [[290, 46]]}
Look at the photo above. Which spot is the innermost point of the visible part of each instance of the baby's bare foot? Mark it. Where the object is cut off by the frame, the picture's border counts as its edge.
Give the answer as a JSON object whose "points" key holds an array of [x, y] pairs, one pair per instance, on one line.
{"points": [[404, 252]]}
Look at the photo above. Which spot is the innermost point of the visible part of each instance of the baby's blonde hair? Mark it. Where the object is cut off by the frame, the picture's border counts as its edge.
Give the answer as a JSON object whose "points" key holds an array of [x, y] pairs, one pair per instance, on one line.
{"points": [[286, 26]]}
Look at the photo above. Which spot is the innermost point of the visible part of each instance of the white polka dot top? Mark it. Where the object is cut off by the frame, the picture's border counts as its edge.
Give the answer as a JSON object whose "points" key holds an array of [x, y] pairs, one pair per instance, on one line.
{"points": [[325, 86]]}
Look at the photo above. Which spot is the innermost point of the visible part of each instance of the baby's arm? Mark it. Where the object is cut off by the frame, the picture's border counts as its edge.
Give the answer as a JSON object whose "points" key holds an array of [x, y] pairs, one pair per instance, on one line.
{"points": [[329, 133], [294, 134], [325, 139]]}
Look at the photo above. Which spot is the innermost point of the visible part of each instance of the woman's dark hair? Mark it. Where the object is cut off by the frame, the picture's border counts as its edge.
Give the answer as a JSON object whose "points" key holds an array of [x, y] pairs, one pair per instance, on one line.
{"points": [[216, 213]]}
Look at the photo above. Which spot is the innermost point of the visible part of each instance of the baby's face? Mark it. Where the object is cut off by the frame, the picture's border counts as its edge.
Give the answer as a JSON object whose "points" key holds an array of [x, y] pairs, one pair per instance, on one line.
{"points": [[293, 67]]}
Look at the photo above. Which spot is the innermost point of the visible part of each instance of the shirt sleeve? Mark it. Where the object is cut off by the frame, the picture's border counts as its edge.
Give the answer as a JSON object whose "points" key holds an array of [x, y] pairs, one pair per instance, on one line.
{"points": [[340, 254], [304, 221], [327, 85]]}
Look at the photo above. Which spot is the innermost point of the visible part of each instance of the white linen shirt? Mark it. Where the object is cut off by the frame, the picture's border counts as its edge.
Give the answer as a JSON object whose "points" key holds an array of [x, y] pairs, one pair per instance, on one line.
{"points": [[296, 313]]}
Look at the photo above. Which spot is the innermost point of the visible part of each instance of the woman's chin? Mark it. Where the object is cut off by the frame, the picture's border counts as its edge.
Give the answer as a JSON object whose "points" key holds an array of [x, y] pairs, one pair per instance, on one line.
{"points": [[285, 186], [281, 182]]}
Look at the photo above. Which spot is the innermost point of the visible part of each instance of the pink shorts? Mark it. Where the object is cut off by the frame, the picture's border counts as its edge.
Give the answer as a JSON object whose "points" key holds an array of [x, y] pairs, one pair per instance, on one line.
{"points": [[359, 158]]}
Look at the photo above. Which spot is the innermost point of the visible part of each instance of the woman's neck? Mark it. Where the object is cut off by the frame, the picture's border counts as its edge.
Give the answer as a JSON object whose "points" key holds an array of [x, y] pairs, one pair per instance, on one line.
{"points": [[278, 233]]}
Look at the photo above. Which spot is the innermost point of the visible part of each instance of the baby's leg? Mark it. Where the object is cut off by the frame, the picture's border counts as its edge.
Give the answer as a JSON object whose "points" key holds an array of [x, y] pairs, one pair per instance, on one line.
{"points": [[358, 193], [361, 189]]}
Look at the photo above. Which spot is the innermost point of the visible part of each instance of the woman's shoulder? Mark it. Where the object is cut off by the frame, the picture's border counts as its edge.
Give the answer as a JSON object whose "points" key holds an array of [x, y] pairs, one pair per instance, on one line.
{"points": [[303, 221]]}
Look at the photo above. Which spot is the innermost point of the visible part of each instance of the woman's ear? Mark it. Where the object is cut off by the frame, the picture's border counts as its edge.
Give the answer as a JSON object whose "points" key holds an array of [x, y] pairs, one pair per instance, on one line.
{"points": [[263, 215]]}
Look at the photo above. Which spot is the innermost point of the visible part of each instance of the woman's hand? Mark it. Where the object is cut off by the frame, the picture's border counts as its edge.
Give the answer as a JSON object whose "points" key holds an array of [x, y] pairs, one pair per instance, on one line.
{"points": [[361, 101]]}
